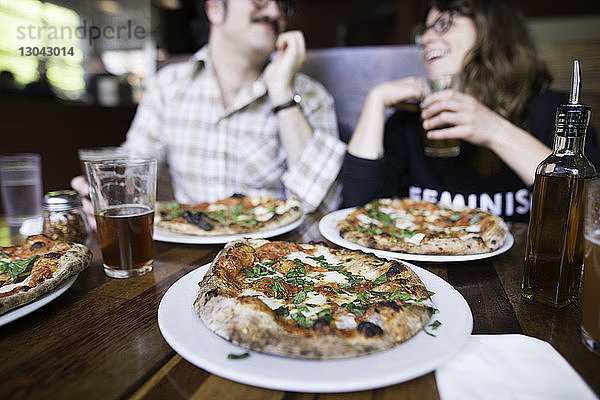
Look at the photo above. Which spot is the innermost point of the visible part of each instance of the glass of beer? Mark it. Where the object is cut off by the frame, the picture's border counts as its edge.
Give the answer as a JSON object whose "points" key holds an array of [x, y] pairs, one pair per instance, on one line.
{"points": [[123, 194], [590, 317], [441, 147], [99, 154]]}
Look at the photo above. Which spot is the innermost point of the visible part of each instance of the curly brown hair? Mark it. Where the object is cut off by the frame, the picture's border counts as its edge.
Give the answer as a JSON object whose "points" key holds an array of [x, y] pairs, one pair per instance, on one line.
{"points": [[503, 69]]}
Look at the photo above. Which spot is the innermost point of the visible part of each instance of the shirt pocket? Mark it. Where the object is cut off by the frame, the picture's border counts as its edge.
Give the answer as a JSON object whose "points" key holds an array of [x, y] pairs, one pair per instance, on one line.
{"points": [[260, 159]]}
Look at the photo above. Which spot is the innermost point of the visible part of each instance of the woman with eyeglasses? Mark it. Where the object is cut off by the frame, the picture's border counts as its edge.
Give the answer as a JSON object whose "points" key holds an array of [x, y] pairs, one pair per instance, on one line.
{"points": [[503, 116]]}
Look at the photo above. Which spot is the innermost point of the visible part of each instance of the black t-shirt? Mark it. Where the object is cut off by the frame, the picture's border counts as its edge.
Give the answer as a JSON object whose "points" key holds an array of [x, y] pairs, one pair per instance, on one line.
{"points": [[406, 171]]}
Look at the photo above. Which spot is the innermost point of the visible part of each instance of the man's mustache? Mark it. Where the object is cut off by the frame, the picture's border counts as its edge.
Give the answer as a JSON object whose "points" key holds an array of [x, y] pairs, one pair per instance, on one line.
{"points": [[268, 20]]}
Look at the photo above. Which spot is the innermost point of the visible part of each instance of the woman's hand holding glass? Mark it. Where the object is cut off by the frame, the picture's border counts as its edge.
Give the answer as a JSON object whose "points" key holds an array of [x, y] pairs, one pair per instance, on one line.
{"points": [[451, 114], [403, 94], [367, 141]]}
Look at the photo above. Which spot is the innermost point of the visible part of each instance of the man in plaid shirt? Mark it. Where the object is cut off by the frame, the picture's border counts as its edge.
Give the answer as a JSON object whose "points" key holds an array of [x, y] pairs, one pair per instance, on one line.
{"points": [[230, 119]]}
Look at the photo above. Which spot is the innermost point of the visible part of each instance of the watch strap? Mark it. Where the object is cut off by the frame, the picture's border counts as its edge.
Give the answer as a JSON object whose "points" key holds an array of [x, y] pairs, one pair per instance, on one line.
{"points": [[291, 103]]}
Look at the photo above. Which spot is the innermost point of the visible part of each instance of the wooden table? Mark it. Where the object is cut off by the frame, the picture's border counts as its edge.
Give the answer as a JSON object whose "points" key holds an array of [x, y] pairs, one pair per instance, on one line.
{"points": [[101, 339]]}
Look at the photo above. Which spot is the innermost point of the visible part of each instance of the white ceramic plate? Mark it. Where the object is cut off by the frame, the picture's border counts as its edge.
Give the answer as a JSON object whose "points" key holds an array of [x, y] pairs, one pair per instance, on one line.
{"points": [[330, 232], [163, 236], [188, 336], [37, 303]]}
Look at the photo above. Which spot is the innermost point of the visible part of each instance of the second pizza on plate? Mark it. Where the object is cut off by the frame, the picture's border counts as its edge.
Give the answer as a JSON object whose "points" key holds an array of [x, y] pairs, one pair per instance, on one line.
{"points": [[421, 227], [233, 215]]}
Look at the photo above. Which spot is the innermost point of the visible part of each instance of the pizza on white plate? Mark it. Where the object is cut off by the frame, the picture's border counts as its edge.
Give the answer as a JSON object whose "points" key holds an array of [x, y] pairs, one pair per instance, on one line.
{"points": [[37, 267], [311, 301], [422, 227], [236, 214]]}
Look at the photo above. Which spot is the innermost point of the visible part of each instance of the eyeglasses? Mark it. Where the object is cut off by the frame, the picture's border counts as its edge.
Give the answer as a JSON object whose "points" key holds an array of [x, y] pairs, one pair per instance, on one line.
{"points": [[441, 23], [286, 7]]}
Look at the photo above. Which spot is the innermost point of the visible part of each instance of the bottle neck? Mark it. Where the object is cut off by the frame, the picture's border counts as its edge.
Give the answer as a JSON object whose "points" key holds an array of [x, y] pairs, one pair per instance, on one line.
{"points": [[564, 145]]}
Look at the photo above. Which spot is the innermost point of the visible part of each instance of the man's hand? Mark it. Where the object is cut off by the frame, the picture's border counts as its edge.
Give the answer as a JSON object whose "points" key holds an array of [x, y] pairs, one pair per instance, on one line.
{"points": [[287, 61], [80, 185]]}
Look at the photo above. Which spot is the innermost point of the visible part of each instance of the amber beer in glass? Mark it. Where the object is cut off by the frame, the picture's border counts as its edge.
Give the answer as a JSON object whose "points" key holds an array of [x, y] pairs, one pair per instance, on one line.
{"points": [[590, 317], [441, 147], [123, 194]]}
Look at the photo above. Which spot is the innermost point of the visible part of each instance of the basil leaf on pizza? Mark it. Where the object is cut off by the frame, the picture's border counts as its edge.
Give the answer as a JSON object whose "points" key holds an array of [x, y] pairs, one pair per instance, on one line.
{"points": [[312, 301], [233, 215], [421, 227]]}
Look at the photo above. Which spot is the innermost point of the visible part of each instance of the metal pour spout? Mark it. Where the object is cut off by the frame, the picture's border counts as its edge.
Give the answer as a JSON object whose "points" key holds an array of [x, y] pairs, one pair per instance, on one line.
{"points": [[575, 83]]}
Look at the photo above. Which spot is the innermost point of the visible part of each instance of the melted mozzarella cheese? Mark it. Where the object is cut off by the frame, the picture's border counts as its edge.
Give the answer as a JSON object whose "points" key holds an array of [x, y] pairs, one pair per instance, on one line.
{"points": [[432, 217], [8, 288], [332, 277], [470, 228], [473, 228], [271, 302], [366, 271], [315, 298], [346, 321], [416, 238], [403, 224], [397, 214], [341, 298], [216, 207], [263, 214], [365, 219], [390, 210], [427, 303], [330, 259], [282, 208]]}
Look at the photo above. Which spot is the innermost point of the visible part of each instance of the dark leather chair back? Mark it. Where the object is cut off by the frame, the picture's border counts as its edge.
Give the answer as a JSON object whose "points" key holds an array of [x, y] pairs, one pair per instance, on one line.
{"points": [[350, 72]]}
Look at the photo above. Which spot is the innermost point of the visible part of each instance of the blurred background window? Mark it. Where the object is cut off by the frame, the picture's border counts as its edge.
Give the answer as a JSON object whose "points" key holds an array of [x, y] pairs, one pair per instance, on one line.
{"points": [[35, 24]]}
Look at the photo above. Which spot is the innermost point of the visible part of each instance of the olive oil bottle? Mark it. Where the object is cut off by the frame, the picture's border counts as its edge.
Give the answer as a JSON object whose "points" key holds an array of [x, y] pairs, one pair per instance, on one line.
{"points": [[554, 253]]}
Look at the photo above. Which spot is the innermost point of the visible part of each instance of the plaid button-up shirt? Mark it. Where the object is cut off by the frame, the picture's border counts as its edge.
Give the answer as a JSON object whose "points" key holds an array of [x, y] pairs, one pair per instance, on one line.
{"points": [[213, 152]]}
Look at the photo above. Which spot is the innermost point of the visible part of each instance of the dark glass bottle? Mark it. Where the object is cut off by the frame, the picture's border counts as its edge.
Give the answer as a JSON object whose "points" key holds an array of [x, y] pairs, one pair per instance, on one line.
{"points": [[554, 254]]}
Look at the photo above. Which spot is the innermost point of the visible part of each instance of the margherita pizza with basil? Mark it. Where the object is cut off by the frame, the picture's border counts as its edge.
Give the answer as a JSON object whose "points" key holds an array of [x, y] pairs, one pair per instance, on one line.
{"points": [[310, 300], [421, 227], [233, 215], [36, 267]]}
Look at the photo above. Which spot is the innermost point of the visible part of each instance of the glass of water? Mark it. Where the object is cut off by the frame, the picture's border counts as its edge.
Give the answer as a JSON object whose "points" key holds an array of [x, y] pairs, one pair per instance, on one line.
{"points": [[21, 187]]}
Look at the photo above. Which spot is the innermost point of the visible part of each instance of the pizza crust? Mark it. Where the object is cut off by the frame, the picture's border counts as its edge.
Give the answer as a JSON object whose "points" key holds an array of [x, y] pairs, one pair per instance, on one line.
{"points": [[75, 260], [451, 246], [495, 232], [249, 322]]}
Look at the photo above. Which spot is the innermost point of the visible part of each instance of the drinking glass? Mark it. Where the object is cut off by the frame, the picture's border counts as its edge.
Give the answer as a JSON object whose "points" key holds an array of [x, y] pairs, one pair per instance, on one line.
{"points": [[99, 154], [441, 147], [590, 317], [123, 194], [21, 187]]}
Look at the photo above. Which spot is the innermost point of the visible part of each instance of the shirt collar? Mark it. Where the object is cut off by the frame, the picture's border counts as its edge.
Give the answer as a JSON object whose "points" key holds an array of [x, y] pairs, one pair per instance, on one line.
{"points": [[250, 93], [201, 58]]}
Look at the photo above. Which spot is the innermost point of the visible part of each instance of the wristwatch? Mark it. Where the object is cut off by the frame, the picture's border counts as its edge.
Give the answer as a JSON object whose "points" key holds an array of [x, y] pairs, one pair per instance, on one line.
{"points": [[293, 102]]}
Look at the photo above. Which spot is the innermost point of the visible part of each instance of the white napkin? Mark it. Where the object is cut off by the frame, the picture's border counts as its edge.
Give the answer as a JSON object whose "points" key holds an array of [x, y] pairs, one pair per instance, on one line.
{"points": [[509, 367]]}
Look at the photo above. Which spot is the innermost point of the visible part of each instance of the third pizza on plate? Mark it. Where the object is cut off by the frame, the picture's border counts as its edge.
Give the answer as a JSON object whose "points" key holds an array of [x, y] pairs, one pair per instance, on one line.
{"points": [[236, 214], [421, 227]]}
